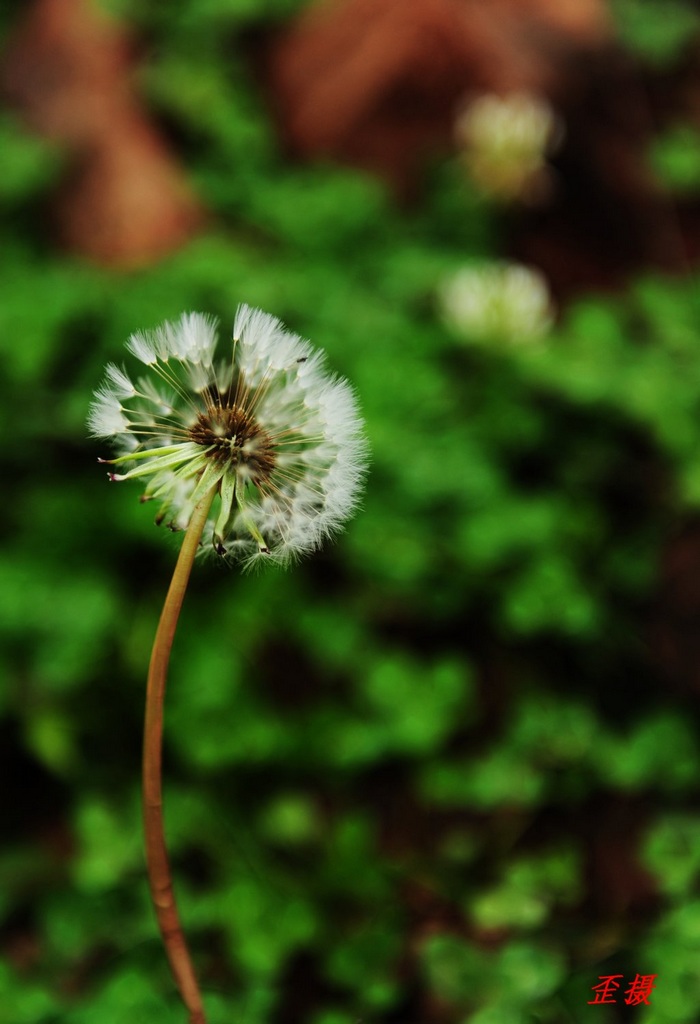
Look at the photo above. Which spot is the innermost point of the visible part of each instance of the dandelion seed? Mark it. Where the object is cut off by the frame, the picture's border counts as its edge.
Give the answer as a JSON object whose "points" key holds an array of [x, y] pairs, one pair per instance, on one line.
{"points": [[267, 426]]}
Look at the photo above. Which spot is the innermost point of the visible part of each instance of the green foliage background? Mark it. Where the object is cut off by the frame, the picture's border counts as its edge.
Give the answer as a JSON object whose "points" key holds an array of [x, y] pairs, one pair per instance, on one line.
{"points": [[391, 773]]}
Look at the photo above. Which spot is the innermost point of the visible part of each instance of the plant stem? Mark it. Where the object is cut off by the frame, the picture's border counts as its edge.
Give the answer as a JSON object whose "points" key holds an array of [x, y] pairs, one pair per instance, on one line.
{"points": [[156, 852]]}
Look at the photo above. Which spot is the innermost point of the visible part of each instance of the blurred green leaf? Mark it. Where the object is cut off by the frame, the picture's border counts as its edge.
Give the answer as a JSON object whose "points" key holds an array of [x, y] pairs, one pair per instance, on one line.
{"points": [[676, 158], [656, 29], [672, 852]]}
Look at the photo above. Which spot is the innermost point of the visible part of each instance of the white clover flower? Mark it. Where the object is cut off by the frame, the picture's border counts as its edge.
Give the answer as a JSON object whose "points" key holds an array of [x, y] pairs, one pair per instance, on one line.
{"points": [[499, 302], [504, 142], [279, 438]]}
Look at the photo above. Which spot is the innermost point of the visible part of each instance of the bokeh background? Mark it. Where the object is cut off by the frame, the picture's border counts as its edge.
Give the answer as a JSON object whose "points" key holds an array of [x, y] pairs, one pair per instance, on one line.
{"points": [[445, 771]]}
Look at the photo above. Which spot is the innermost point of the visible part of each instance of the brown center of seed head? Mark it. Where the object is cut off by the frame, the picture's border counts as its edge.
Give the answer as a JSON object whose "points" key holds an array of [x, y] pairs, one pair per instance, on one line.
{"points": [[234, 437]]}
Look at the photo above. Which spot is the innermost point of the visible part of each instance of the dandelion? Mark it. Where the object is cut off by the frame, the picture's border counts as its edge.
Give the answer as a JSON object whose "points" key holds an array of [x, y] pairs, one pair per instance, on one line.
{"points": [[504, 143], [258, 454], [501, 302], [265, 430]]}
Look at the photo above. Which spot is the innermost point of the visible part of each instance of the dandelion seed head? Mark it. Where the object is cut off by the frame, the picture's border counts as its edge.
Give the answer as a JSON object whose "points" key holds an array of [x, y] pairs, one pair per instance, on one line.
{"points": [[279, 438]]}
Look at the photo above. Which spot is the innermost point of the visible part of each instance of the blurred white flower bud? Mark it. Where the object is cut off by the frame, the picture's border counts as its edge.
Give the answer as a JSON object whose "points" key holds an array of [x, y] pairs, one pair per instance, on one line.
{"points": [[504, 142], [504, 302]]}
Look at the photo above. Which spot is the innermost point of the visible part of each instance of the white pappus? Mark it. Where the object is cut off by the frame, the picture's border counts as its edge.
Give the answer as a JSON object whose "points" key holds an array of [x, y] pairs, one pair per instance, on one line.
{"points": [[279, 437]]}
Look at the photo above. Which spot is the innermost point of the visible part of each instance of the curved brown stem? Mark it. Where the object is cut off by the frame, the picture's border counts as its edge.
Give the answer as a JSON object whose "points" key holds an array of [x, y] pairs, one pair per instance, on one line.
{"points": [[156, 852]]}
